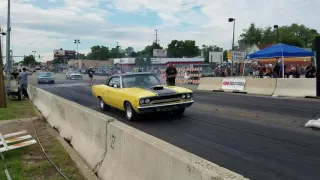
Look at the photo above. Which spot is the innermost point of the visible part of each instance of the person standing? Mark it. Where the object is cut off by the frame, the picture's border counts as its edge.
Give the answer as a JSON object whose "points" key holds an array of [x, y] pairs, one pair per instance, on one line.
{"points": [[90, 73], [171, 73], [23, 81], [310, 71]]}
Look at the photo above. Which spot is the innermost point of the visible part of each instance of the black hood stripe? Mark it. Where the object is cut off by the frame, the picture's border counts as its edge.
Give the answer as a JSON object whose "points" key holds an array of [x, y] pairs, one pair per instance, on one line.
{"points": [[161, 92]]}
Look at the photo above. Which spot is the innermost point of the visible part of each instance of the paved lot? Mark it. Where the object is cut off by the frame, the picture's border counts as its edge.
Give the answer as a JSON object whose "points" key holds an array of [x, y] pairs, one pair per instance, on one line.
{"points": [[261, 138]]}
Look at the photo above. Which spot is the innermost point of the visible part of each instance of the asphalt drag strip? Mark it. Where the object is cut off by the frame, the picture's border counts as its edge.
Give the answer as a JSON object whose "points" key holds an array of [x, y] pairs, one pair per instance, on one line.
{"points": [[260, 138]]}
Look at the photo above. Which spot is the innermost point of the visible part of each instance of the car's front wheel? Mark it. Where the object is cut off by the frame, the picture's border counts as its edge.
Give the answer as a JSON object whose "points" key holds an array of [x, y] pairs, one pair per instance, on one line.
{"points": [[131, 114], [103, 105]]}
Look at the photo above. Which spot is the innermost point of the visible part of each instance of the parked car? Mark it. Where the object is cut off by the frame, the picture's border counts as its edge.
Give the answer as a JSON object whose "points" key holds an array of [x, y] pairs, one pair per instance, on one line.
{"points": [[73, 75], [46, 78], [141, 93]]}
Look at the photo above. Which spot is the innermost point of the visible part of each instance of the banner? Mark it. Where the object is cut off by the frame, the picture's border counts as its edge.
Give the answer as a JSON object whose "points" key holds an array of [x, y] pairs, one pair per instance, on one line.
{"points": [[233, 84]]}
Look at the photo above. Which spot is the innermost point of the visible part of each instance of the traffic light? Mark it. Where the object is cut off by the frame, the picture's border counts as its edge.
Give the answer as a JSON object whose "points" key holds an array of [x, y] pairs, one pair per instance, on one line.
{"points": [[229, 55]]}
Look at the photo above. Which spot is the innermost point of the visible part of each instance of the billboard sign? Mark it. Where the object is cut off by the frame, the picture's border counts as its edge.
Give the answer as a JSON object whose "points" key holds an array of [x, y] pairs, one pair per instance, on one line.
{"points": [[64, 54], [159, 53], [215, 57], [58, 53]]}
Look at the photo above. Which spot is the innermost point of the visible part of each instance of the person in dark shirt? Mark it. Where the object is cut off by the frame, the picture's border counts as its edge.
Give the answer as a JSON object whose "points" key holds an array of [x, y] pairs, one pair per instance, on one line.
{"points": [[90, 73], [171, 73], [15, 73], [310, 71]]}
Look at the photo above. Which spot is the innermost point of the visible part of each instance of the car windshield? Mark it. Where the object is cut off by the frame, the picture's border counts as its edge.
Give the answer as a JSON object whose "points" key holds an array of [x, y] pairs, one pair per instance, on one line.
{"points": [[44, 74], [140, 80]]}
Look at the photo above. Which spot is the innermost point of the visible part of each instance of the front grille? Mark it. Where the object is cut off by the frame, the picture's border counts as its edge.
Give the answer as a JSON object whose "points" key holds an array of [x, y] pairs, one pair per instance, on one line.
{"points": [[76, 76], [165, 101], [165, 97]]}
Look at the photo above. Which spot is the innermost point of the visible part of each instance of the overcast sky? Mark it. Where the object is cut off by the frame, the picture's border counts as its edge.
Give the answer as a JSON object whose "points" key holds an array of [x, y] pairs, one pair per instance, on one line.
{"points": [[43, 25]]}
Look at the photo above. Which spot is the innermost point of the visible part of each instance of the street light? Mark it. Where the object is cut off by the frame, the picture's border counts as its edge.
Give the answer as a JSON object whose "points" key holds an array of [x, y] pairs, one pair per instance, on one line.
{"points": [[277, 28], [234, 25], [34, 54], [77, 42]]}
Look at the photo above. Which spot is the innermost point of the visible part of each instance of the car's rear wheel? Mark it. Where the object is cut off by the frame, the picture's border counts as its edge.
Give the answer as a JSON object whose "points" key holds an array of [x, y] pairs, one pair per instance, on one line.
{"points": [[131, 114], [179, 112], [103, 105]]}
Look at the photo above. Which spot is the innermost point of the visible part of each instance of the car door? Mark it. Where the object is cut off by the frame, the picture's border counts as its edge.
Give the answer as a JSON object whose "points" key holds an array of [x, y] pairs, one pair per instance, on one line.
{"points": [[110, 95]]}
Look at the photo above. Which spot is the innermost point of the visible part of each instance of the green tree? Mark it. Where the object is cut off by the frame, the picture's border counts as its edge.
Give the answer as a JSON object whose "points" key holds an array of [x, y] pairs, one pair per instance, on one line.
{"points": [[179, 49], [295, 35], [225, 55], [139, 61], [148, 50], [28, 60], [99, 53], [252, 35], [129, 51]]}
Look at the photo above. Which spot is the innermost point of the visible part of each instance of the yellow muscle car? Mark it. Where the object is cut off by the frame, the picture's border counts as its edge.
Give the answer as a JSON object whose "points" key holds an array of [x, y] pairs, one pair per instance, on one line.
{"points": [[141, 93]]}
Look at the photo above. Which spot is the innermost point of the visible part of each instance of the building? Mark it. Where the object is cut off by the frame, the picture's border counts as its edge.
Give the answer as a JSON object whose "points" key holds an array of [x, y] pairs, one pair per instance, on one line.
{"points": [[86, 63], [127, 64], [160, 61]]}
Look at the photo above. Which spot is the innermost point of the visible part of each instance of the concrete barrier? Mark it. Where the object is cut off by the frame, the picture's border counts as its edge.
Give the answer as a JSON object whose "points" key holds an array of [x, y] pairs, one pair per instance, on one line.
{"points": [[304, 87], [41, 99], [210, 84], [84, 128], [135, 155], [114, 150], [265, 86]]}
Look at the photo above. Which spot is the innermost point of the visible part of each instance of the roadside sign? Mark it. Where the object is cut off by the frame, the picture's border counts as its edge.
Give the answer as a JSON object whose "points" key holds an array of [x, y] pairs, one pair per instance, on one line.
{"points": [[237, 56], [159, 53]]}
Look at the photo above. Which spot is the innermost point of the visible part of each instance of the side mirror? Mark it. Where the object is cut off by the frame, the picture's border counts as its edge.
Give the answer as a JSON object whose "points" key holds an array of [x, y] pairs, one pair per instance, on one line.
{"points": [[115, 86]]}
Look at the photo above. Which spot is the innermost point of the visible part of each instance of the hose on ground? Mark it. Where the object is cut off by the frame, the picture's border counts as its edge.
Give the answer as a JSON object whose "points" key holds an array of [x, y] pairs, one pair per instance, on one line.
{"points": [[44, 152]]}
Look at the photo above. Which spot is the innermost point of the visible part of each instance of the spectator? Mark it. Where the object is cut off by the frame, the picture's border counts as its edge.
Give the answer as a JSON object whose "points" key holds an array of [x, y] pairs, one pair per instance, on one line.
{"points": [[171, 73], [310, 71], [294, 73], [23, 81], [261, 70], [15, 73], [90, 73]]}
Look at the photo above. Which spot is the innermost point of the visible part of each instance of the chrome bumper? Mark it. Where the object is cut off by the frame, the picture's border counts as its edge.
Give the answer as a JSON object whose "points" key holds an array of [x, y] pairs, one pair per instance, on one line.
{"points": [[164, 107]]}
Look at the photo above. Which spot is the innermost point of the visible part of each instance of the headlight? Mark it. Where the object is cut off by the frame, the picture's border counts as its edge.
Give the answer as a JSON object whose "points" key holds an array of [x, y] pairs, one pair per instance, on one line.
{"points": [[141, 101], [186, 96], [144, 101], [147, 101]]}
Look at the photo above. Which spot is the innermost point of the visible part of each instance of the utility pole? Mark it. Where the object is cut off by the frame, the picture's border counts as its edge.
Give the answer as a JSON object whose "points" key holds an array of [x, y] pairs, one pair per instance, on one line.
{"points": [[8, 39], [119, 55], [156, 41], [3, 100]]}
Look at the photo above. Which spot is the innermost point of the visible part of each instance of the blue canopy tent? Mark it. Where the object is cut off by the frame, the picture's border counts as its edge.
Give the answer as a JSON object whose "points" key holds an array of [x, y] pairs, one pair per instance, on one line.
{"points": [[280, 51]]}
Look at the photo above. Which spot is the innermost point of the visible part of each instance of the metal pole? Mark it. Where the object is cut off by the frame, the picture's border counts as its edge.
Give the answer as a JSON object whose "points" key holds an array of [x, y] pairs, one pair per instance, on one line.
{"points": [[278, 40], [8, 39], [234, 25], [77, 51]]}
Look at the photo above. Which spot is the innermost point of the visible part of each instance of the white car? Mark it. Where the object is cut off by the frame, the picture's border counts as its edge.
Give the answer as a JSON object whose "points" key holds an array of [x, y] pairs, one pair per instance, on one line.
{"points": [[73, 75]]}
